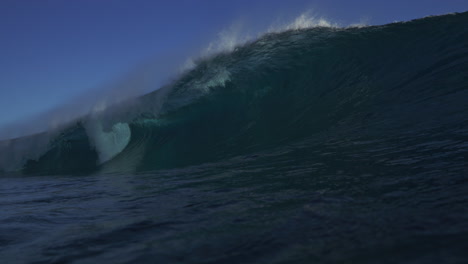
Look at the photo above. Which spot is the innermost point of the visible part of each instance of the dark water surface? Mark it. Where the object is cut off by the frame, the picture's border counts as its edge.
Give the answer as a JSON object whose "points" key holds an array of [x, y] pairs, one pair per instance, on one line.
{"points": [[337, 202]]}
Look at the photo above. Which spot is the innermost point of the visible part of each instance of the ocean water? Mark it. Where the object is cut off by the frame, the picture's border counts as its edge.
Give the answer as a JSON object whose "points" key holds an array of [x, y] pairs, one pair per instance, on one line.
{"points": [[311, 145]]}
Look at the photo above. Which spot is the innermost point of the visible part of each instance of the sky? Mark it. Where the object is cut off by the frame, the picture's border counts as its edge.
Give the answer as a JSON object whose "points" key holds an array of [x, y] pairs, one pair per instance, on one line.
{"points": [[54, 51]]}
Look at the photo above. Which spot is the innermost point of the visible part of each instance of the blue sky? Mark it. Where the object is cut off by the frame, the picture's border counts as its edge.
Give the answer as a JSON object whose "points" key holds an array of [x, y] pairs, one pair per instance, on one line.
{"points": [[52, 51]]}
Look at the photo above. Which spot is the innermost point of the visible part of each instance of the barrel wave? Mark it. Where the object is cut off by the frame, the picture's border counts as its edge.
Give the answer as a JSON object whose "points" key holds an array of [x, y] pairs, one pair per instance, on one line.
{"points": [[402, 82], [310, 145]]}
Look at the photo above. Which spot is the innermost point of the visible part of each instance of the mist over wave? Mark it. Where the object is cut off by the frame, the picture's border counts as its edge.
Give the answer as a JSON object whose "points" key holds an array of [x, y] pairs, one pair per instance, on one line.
{"points": [[150, 76]]}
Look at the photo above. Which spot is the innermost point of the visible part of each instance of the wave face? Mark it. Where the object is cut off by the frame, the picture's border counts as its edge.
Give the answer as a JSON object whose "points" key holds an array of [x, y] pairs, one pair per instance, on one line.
{"points": [[376, 89]]}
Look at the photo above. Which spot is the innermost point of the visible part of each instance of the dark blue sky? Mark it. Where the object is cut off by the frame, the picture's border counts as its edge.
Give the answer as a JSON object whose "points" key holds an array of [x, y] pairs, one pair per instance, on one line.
{"points": [[54, 50]]}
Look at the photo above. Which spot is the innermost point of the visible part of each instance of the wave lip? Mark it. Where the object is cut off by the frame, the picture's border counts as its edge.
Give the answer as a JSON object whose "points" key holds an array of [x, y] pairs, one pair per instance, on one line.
{"points": [[109, 144]]}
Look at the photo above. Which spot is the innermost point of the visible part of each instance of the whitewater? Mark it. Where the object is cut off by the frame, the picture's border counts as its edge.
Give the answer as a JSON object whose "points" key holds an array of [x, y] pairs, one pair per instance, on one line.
{"points": [[310, 143]]}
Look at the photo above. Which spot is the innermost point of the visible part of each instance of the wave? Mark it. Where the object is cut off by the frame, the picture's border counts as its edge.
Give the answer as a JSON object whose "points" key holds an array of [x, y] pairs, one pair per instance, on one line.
{"points": [[309, 82]]}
